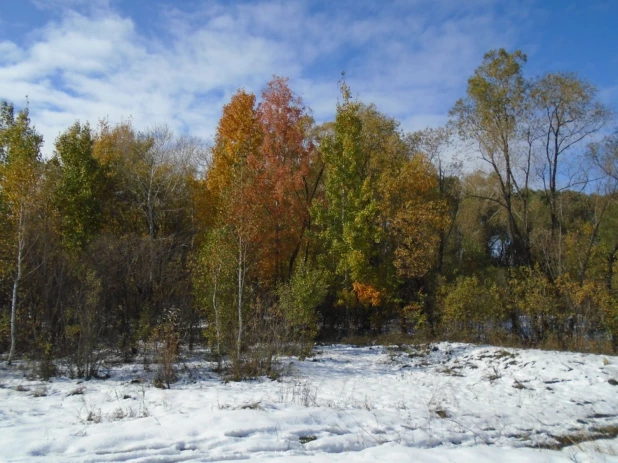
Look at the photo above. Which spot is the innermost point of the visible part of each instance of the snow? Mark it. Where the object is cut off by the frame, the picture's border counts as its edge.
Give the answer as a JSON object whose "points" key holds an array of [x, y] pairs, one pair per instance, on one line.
{"points": [[444, 402]]}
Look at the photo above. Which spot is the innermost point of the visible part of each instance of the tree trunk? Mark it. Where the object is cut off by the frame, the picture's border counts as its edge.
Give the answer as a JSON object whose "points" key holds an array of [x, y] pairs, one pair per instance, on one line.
{"points": [[240, 291], [216, 309], [611, 259], [20, 252]]}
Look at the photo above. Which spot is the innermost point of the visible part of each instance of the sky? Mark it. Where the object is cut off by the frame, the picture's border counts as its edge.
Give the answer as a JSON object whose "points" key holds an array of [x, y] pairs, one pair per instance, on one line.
{"points": [[178, 62]]}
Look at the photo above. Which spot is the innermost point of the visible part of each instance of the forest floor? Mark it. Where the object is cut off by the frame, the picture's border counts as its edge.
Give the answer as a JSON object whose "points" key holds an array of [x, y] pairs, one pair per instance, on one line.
{"points": [[442, 402]]}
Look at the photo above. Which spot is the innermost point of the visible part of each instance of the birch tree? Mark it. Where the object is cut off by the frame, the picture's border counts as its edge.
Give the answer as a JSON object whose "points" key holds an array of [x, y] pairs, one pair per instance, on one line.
{"points": [[20, 160], [238, 137]]}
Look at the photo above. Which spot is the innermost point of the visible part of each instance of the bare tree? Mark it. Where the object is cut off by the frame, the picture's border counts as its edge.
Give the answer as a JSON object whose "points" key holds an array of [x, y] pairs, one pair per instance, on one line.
{"points": [[567, 114]]}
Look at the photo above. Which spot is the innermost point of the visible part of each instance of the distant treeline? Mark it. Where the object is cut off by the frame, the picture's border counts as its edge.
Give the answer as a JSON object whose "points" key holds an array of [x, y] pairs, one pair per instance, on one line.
{"points": [[282, 231]]}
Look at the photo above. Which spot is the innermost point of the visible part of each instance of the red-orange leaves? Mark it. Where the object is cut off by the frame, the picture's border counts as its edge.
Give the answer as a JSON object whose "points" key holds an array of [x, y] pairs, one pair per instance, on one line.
{"points": [[367, 294], [280, 168]]}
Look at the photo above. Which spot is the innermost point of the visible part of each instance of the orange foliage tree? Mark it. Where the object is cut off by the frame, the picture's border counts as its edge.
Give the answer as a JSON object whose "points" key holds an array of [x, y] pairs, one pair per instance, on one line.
{"points": [[229, 181]]}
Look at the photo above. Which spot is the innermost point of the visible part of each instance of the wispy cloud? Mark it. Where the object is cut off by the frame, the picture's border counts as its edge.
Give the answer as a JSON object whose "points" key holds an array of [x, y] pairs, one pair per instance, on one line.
{"points": [[92, 60]]}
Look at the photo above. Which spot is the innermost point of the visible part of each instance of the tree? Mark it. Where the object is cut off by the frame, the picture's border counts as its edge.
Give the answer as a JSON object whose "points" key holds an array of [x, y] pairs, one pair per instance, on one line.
{"points": [[347, 215], [416, 215], [566, 114], [605, 155], [281, 189], [158, 175], [435, 143], [20, 159], [238, 137], [115, 148], [79, 191], [480, 225], [419, 218], [148, 229], [213, 280], [491, 116]]}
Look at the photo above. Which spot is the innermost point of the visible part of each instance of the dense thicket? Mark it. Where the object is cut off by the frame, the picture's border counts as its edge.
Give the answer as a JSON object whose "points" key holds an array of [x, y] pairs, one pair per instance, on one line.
{"points": [[121, 243]]}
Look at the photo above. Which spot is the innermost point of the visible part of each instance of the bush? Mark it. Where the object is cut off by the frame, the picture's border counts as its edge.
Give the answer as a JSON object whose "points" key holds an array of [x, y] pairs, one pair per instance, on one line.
{"points": [[588, 309], [534, 300], [470, 308], [298, 301]]}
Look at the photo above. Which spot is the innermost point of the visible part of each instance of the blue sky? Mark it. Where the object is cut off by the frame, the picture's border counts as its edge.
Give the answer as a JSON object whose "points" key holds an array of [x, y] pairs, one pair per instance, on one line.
{"points": [[178, 62]]}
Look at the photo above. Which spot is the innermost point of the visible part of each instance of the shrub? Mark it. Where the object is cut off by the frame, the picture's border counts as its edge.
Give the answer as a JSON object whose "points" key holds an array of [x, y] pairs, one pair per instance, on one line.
{"points": [[298, 300], [470, 308], [534, 300]]}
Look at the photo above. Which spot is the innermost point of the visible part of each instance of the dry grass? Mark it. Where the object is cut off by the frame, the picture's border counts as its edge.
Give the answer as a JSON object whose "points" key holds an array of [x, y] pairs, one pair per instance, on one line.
{"points": [[594, 434]]}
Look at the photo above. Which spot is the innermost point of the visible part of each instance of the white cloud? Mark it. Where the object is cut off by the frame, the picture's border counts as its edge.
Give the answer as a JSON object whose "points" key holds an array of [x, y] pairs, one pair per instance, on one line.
{"points": [[410, 58], [10, 52]]}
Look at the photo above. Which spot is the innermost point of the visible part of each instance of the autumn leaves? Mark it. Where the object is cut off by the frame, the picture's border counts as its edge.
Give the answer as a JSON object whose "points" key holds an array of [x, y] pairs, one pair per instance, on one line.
{"points": [[349, 206]]}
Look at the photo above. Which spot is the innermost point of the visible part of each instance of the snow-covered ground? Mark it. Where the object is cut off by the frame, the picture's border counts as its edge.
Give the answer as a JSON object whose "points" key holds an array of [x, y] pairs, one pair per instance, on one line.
{"points": [[439, 403]]}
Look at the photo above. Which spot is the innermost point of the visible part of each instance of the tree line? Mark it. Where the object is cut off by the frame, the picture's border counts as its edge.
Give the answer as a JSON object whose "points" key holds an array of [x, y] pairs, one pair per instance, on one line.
{"points": [[283, 231]]}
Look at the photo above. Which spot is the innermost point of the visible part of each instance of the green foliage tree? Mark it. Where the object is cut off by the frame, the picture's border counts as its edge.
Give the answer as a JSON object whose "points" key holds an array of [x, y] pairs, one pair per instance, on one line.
{"points": [[298, 300], [79, 191], [214, 286], [347, 215]]}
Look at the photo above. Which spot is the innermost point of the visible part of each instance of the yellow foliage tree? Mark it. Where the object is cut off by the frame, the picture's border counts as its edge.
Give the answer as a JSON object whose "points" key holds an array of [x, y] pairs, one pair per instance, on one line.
{"points": [[20, 160]]}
